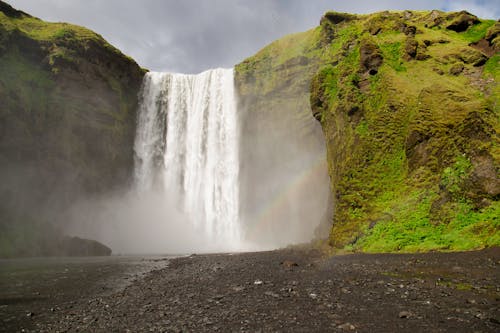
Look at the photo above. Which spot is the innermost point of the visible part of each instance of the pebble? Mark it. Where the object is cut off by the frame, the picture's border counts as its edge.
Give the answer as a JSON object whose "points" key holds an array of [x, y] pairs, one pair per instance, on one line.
{"points": [[347, 326], [405, 314], [272, 294]]}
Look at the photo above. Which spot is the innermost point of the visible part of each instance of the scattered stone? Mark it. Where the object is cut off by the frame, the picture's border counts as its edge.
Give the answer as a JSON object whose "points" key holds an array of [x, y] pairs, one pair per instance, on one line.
{"points": [[289, 264], [313, 295], [258, 282], [272, 294], [30, 314], [495, 321], [405, 314], [347, 327]]}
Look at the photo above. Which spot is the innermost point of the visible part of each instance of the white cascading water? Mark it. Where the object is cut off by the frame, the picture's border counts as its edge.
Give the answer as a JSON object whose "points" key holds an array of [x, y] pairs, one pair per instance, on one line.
{"points": [[187, 144]]}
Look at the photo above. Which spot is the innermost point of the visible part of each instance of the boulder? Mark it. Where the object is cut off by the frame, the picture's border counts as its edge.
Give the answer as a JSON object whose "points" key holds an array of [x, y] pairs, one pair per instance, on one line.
{"points": [[462, 21], [80, 247]]}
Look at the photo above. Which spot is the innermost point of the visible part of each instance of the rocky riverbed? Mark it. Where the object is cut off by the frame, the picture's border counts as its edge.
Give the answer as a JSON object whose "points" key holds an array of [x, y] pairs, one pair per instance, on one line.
{"points": [[292, 291]]}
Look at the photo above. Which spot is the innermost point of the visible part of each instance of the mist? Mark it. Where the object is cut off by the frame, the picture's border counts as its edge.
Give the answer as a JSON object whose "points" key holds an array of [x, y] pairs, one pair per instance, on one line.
{"points": [[139, 222], [283, 185]]}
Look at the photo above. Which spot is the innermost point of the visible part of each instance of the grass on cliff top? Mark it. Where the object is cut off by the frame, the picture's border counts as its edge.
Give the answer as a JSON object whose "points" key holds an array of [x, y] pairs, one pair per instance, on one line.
{"points": [[58, 32]]}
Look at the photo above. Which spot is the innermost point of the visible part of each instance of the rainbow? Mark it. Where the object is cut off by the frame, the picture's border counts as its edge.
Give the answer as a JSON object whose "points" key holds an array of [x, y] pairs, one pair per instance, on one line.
{"points": [[278, 205]]}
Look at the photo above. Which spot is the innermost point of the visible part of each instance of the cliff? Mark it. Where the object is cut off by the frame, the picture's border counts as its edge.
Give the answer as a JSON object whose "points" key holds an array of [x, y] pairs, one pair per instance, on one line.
{"points": [[283, 169], [408, 104], [67, 123]]}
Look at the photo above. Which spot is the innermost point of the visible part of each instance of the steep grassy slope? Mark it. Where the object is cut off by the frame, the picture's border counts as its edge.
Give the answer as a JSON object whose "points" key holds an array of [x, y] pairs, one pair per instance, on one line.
{"points": [[411, 116], [408, 103], [67, 118]]}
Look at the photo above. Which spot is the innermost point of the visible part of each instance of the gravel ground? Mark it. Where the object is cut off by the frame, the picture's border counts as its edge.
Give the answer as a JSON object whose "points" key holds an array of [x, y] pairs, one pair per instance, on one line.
{"points": [[296, 291]]}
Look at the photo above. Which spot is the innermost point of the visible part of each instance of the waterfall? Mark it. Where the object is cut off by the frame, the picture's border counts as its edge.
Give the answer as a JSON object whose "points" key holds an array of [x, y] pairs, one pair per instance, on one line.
{"points": [[187, 144]]}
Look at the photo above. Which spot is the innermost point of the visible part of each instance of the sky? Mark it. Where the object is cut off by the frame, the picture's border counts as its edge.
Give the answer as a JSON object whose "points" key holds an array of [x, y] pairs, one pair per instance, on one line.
{"points": [[190, 36]]}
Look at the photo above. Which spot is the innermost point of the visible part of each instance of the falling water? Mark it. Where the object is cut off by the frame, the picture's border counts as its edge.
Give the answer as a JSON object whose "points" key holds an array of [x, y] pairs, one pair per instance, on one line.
{"points": [[187, 145]]}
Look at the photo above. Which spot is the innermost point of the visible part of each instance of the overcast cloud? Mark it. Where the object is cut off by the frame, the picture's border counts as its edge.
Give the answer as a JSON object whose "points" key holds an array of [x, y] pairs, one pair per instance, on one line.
{"points": [[190, 36]]}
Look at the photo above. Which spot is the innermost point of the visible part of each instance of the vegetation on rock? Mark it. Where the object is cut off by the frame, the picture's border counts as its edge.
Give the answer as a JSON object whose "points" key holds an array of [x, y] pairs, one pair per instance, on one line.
{"points": [[409, 106], [67, 123], [414, 118]]}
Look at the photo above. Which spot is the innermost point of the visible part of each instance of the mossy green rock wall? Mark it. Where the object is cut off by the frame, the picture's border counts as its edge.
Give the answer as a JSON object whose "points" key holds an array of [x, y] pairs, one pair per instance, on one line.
{"points": [[67, 119], [409, 105]]}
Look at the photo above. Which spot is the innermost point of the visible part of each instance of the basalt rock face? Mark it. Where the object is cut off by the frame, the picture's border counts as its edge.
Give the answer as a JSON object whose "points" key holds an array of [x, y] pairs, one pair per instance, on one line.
{"points": [[409, 105], [67, 119]]}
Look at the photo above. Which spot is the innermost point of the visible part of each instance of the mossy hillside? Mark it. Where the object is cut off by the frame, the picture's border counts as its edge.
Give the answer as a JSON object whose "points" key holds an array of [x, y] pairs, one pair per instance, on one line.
{"points": [[399, 122], [67, 118]]}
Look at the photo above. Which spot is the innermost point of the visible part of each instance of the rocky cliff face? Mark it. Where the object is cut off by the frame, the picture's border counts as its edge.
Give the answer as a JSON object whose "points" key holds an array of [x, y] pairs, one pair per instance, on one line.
{"points": [[67, 120], [409, 107]]}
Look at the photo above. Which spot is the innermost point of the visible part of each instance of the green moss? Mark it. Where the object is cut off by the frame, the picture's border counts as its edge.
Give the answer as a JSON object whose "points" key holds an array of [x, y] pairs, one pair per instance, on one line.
{"points": [[392, 55], [362, 129], [410, 229], [454, 176], [415, 129], [478, 31]]}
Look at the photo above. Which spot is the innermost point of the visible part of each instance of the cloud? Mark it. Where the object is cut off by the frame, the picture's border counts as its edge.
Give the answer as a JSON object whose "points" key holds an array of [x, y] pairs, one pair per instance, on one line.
{"points": [[193, 35]]}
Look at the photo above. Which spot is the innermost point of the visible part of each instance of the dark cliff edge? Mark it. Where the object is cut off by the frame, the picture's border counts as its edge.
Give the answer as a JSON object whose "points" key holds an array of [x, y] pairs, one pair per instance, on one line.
{"points": [[409, 107], [67, 124]]}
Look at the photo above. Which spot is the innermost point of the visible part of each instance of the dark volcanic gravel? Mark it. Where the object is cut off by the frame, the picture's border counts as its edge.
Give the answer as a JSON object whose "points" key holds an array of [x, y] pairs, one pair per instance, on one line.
{"points": [[298, 291]]}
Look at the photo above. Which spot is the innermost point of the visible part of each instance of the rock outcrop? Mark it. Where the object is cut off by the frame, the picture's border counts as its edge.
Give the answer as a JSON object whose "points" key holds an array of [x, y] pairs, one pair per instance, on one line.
{"points": [[408, 104], [67, 120], [418, 166]]}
